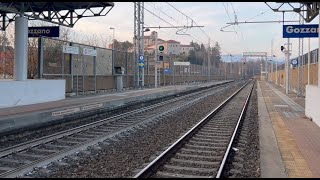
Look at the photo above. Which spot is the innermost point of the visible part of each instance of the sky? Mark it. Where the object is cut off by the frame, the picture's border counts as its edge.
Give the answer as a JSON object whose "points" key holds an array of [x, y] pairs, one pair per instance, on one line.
{"points": [[246, 37]]}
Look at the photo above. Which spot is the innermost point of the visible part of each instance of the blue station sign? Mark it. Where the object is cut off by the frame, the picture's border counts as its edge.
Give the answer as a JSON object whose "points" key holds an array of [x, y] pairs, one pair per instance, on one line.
{"points": [[300, 31], [47, 31]]}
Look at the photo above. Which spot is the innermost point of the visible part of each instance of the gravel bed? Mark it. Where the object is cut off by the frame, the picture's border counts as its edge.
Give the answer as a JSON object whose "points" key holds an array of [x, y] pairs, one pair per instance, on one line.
{"points": [[244, 160], [20, 137], [124, 155]]}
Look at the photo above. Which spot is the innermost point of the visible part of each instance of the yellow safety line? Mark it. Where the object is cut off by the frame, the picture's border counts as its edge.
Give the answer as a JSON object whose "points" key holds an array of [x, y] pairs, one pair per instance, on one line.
{"points": [[295, 164]]}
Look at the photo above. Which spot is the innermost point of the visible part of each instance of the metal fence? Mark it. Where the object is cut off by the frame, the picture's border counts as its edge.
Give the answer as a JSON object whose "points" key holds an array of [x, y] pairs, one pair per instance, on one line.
{"points": [[93, 74]]}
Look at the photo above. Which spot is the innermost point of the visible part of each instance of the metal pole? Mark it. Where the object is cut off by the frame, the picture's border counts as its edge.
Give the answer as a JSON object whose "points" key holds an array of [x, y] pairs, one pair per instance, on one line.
{"points": [[113, 52], [127, 69], [231, 67], [62, 65], [209, 63], [277, 73], [142, 40], [225, 71], [271, 58], [71, 70], [40, 57], [4, 42], [319, 53], [83, 72], [164, 75], [148, 75], [309, 57], [287, 67], [261, 69], [95, 72], [138, 44], [155, 60]]}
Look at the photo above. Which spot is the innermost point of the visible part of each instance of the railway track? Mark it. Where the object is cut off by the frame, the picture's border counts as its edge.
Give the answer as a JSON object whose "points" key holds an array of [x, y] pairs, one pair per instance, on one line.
{"points": [[19, 159], [202, 152]]}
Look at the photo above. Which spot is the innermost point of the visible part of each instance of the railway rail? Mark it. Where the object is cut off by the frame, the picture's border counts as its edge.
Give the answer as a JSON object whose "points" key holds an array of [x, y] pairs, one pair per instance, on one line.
{"points": [[202, 151], [19, 159]]}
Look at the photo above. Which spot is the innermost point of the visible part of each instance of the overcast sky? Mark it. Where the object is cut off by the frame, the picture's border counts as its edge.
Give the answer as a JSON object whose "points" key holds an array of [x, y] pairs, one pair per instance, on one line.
{"points": [[212, 15]]}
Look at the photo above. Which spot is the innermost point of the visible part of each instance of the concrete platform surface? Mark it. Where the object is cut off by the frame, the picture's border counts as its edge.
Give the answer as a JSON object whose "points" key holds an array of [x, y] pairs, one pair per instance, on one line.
{"points": [[18, 117], [298, 138]]}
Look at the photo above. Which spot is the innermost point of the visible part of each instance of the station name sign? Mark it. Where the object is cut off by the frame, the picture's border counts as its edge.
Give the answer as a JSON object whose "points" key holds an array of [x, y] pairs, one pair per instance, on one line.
{"points": [[47, 31], [300, 31]]}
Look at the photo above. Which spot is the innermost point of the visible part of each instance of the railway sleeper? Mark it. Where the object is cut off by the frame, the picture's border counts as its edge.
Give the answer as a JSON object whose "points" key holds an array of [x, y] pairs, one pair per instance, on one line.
{"points": [[175, 175], [198, 157]]}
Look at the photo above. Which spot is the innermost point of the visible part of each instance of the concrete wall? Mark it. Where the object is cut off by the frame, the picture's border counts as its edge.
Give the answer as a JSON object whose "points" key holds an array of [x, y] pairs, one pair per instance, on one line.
{"points": [[108, 82], [14, 93], [312, 103]]}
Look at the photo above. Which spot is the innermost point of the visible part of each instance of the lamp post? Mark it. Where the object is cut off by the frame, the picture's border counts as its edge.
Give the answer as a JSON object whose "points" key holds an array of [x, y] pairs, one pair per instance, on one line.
{"points": [[113, 50]]}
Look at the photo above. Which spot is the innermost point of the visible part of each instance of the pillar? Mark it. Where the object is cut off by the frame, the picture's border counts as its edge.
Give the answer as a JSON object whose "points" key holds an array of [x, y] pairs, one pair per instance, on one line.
{"points": [[21, 49]]}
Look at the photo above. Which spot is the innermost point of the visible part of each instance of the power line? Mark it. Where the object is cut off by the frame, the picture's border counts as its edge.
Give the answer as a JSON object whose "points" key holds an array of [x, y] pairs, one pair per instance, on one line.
{"points": [[188, 17], [167, 22]]}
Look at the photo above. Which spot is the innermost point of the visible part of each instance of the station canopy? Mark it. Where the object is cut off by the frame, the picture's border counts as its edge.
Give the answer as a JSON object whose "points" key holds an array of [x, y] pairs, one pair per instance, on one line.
{"points": [[61, 13]]}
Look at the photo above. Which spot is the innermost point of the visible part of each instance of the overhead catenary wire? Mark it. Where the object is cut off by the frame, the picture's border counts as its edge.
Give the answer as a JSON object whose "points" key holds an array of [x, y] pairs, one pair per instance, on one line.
{"points": [[187, 17], [169, 23]]}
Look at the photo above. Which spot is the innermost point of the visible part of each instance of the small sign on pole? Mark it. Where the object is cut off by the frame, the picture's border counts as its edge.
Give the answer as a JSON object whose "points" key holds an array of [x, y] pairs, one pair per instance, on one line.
{"points": [[141, 61]]}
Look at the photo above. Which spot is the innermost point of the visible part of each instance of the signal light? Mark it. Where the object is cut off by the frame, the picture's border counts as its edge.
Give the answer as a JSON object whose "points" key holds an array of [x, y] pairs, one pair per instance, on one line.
{"points": [[160, 58], [161, 48], [282, 48]]}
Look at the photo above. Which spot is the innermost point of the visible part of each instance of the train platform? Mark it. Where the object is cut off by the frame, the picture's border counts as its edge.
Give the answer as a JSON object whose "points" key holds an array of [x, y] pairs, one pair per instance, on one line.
{"points": [[289, 141], [34, 115]]}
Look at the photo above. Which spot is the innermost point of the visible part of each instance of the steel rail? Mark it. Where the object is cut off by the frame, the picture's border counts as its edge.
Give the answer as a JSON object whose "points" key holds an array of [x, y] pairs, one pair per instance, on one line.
{"points": [[72, 149], [152, 166], [234, 134]]}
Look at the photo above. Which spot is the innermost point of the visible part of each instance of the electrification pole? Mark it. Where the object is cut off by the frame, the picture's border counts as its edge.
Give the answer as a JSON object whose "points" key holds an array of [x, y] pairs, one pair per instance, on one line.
{"points": [[139, 42]]}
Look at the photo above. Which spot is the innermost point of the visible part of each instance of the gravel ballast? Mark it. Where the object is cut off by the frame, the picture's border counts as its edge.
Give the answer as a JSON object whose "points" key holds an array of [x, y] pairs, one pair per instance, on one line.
{"points": [[125, 154]]}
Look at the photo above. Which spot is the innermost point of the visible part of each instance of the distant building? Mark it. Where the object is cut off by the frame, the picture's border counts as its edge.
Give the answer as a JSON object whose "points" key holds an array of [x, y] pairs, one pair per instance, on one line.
{"points": [[171, 47], [185, 49]]}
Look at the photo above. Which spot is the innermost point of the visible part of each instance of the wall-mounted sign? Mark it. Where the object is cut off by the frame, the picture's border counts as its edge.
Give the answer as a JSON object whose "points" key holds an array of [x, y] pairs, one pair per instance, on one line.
{"points": [[89, 52], [300, 31], [181, 63], [47, 31], [70, 49]]}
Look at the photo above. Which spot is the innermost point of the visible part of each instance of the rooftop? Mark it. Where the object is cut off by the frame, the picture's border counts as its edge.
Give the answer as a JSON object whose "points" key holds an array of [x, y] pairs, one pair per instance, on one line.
{"points": [[172, 41]]}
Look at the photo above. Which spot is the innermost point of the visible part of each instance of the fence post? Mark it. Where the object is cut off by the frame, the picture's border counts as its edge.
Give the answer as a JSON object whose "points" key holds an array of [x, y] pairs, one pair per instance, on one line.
{"points": [[71, 70], [40, 57], [127, 69], [148, 71]]}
